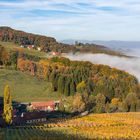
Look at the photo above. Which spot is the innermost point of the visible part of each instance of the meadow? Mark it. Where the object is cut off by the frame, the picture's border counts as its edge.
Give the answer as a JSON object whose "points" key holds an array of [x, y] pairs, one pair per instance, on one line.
{"points": [[118, 126], [26, 88]]}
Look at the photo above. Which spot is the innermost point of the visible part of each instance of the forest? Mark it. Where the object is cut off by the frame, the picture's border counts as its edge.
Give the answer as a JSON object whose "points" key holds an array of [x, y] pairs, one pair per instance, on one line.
{"points": [[85, 86]]}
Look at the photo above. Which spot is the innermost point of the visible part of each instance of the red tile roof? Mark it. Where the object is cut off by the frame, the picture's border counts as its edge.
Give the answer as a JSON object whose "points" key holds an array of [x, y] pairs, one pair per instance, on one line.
{"points": [[43, 104]]}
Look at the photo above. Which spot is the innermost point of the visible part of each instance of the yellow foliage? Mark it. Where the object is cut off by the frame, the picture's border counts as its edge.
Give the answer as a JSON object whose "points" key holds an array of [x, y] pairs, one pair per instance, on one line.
{"points": [[7, 115], [81, 85], [115, 101]]}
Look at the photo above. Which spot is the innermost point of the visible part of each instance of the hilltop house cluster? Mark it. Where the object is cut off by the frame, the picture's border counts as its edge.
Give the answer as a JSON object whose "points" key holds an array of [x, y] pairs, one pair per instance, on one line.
{"points": [[32, 47]]}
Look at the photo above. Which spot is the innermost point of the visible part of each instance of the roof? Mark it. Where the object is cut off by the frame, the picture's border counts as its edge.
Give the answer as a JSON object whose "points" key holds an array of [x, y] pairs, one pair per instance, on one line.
{"points": [[40, 104]]}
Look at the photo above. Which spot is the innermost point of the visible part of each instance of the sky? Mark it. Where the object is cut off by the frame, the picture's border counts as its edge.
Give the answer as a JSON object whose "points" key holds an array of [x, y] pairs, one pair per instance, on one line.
{"points": [[74, 19]]}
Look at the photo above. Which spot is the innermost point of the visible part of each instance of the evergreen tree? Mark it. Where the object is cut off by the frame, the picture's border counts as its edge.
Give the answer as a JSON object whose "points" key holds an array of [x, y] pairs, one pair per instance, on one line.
{"points": [[61, 84], [90, 86], [67, 88], [13, 58], [72, 87], [52, 79]]}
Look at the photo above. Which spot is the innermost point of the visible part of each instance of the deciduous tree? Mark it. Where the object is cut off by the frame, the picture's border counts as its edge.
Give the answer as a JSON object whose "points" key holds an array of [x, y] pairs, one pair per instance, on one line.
{"points": [[7, 113]]}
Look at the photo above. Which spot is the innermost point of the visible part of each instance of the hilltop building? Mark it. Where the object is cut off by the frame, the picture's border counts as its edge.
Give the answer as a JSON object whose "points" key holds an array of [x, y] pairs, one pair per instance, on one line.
{"points": [[27, 46], [44, 106], [55, 53]]}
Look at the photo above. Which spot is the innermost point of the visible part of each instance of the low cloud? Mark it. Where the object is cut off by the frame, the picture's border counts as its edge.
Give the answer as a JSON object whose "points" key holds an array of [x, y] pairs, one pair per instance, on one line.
{"points": [[130, 65]]}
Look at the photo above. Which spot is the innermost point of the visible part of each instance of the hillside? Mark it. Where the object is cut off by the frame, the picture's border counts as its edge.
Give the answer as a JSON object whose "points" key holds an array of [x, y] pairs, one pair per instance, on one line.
{"points": [[69, 78], [48, 44], [25, 88]]}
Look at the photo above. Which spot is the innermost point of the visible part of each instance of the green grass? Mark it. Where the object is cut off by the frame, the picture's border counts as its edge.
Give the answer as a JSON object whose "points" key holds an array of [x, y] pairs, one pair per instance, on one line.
{"points": [[12, 46], [25, 88]]}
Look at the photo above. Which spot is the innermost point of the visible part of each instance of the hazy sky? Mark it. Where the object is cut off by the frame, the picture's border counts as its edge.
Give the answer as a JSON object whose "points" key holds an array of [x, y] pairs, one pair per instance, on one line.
{"points": [[74, 19]]}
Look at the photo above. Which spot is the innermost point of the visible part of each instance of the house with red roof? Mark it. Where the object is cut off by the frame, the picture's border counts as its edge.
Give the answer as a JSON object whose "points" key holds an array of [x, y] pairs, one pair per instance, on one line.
{"points": [[45, 106], [55, 53], [30, 47]]}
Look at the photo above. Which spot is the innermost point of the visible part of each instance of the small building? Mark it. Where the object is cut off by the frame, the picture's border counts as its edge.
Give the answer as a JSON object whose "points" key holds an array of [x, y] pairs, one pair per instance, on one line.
{"points": [[22, 46], [39, 49], [55, 53], [45, 106], [30, 47]]}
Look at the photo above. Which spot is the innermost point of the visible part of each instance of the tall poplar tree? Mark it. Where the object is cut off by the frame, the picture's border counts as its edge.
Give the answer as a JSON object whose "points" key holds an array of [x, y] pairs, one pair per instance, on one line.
{"points": [[8, 110]]}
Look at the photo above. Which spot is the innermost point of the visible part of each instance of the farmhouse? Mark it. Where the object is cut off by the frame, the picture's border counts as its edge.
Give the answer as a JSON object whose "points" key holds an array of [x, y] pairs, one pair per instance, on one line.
{"points": [[55, 53], [30, 47], [44, 106]]}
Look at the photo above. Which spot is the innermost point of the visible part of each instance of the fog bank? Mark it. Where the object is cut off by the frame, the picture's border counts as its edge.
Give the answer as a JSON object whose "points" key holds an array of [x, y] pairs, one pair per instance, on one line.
{"points": [[131, 65]]}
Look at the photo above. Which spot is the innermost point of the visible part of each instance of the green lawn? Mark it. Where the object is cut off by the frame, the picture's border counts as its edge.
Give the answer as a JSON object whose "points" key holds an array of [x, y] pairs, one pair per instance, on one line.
{"points": [[25, 88]]}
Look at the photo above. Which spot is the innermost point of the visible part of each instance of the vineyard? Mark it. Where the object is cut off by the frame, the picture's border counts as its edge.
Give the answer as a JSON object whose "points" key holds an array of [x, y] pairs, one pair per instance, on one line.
{"points": [[117, 126]]}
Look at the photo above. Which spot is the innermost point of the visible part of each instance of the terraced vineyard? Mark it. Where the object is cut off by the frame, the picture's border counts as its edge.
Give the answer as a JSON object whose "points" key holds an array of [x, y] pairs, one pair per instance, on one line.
{"points": [[119, 126]]}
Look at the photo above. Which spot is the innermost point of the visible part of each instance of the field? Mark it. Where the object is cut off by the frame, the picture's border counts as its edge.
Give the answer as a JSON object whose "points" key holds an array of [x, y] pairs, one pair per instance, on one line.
{"points": [[25, 88], [119, 126]]}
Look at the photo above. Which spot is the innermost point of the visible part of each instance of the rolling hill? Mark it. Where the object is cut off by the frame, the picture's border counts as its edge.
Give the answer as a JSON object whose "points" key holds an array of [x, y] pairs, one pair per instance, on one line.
{"points": [[48, 44]]}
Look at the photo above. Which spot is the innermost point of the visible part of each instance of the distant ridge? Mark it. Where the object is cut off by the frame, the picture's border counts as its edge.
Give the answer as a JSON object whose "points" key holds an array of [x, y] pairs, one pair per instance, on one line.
{"points": [[130, 48], [47, 44]]}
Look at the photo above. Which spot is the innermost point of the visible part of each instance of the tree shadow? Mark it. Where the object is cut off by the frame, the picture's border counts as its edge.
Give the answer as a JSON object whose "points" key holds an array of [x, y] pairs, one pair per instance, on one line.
{"points": [[39, 133]]}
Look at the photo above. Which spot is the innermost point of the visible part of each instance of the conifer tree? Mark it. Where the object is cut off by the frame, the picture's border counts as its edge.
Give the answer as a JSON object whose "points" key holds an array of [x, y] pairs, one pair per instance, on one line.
{"points": [[61, 84], [72, 87], [67, 88]]}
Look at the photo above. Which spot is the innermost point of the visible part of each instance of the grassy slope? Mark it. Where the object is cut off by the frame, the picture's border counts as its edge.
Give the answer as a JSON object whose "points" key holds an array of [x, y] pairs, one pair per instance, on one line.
{"points": [[26, 88]]}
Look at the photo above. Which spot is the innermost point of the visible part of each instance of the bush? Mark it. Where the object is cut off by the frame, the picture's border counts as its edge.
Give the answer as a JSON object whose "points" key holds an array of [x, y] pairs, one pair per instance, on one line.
{"points": [[131, 102]]}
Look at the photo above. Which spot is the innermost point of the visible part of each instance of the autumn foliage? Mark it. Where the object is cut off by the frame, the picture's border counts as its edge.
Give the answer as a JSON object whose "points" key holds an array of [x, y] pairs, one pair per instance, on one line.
{"points": [[111, 87]]}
